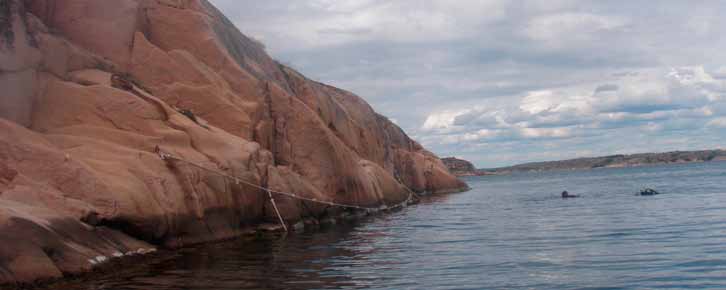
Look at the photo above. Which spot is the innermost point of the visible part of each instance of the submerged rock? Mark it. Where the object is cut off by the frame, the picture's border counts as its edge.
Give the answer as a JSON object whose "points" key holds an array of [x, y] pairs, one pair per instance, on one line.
{"points": [[264, 123]]}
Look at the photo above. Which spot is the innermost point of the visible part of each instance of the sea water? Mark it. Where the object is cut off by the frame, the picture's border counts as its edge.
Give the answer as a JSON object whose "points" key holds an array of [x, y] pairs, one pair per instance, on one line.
{"points": [[508, 232]]}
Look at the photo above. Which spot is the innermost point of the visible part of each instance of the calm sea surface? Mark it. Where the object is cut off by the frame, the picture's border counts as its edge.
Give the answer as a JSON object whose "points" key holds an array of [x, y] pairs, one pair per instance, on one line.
{"points": [[508, 232]]}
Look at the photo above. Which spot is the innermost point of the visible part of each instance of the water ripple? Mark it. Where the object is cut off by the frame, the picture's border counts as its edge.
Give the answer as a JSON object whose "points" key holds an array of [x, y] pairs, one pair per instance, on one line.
{"points": [[509, 232]]}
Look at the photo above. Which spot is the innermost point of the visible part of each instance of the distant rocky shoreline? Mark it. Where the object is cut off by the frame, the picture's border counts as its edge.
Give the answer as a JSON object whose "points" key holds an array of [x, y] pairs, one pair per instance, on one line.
{"points": [[462, 167]]}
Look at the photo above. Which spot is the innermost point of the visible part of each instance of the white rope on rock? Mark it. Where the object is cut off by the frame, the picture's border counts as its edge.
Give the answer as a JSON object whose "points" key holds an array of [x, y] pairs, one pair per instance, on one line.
{"points": [[274, 205], [166, 156]]}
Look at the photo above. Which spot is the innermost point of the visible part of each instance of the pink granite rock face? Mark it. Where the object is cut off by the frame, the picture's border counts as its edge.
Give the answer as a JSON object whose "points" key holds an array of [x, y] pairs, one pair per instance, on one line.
{"points": [[79, 176]]}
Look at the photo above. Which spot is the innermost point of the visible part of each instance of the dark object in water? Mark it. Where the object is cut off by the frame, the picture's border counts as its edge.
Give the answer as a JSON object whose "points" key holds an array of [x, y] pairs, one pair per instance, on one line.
{"points": [[648, 191], [566, 194]]}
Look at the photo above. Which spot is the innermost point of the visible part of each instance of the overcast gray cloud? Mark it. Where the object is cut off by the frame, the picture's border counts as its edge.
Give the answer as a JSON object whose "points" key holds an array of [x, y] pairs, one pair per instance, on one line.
{"points": [[505, 81]]}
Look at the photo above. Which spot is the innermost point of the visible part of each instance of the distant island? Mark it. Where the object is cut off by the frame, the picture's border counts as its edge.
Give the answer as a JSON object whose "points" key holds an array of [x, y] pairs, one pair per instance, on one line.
{"points": [[462, 167]]}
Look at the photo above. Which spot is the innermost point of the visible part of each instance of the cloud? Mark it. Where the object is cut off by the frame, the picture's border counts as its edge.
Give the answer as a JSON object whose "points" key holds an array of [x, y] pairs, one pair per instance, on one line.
{"points": [[652, 102], [717, 123], [540, 133], [441, 121], [606, 88], [571, 28], [502, 82]]}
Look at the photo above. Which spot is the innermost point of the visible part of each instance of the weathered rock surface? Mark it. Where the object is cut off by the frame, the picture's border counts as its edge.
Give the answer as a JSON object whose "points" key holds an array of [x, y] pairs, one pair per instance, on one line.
{"points": [[460, 167], [79, 177]]}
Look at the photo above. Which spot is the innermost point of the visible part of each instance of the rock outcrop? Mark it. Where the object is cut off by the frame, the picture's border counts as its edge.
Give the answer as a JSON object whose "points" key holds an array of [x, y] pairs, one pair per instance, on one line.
{"points": [[90, 89], [461, 167]]}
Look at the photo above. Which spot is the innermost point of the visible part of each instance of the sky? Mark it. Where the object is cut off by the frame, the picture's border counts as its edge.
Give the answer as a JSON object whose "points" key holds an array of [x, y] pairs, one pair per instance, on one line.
{"points": [[502, 82]]}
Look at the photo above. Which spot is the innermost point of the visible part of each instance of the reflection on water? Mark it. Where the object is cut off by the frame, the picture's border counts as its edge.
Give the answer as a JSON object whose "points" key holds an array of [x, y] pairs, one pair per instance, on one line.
{"points": [[292, 262], [509, 232]]}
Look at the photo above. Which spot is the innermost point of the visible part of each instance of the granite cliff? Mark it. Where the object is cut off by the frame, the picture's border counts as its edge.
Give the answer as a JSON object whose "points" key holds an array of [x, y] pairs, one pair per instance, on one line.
{"points": [[92, 88]]}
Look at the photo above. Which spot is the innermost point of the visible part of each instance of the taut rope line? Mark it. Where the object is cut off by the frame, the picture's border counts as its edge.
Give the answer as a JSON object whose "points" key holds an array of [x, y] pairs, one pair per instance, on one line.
{"points": [[166, 156], [274, 205]]}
